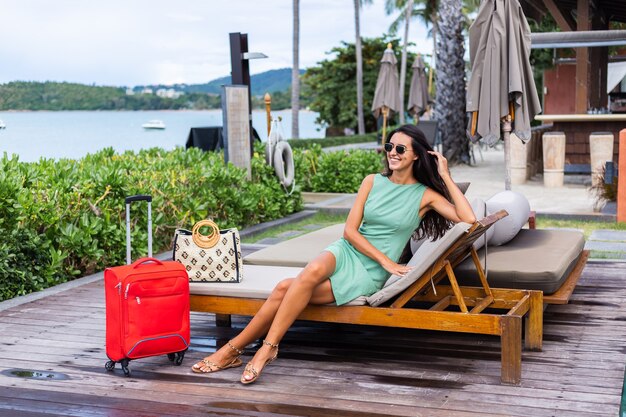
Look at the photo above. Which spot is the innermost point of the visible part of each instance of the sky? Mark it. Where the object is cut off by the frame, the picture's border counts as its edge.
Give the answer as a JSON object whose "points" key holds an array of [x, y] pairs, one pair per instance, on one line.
{"points": [[139, 42]]}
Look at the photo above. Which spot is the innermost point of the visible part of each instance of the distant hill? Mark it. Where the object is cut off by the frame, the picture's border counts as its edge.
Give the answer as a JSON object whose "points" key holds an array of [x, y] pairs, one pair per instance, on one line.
{"points": [[265, 82], [25, 95], [49, 95]]}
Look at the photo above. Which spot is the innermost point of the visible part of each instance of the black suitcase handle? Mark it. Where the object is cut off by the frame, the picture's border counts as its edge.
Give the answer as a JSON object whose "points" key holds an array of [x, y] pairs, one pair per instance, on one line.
{"points": [[138, 197], [129, 200]]}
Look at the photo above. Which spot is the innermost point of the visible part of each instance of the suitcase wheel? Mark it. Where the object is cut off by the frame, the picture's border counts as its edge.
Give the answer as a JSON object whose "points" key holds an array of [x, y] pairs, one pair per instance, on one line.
{"points": [[109, 366], [177, 357], [124, 364]]}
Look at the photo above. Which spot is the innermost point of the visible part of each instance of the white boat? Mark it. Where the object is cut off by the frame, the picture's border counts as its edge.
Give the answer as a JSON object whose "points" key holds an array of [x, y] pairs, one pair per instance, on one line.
{"points": [[154, 124], [2, 125]]}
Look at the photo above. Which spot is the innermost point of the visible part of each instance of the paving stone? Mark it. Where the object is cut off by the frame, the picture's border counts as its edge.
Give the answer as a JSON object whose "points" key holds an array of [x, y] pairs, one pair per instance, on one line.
{"points": [[571, 229], [608, 255], [289, 233], [606, 246], [269, 241], [612, 235]]}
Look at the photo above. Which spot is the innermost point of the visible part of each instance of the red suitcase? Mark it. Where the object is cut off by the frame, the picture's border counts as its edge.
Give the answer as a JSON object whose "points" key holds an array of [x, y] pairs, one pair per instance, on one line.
{"points": [[147, 305]]}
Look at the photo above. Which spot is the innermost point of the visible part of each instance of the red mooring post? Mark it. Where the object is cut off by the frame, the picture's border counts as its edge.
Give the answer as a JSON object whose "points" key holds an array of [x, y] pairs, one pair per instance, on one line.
{"points": [[621, 181]]}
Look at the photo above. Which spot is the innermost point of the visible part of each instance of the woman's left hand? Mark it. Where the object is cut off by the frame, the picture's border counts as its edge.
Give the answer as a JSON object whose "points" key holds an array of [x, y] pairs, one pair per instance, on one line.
{"points": [[442, 164], [395, 268]]}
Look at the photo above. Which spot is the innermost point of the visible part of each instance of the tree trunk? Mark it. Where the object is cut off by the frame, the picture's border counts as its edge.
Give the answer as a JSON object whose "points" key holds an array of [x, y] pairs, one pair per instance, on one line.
{"points": [[407, 21], [295, 72], [433, 63], [450, 82], [359, 70]]}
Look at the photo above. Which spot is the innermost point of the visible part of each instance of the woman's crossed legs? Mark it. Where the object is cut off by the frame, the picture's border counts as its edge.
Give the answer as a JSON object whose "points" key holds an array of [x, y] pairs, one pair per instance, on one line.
{"points": [[280, 310]]}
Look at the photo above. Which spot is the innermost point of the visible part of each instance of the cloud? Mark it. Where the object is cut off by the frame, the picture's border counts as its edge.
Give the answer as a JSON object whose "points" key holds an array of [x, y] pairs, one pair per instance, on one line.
{"points": [[139, 42]]}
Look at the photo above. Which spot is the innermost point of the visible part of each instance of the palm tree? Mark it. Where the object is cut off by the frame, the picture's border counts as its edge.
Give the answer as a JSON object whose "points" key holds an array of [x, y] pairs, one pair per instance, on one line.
{"points": [[407, 13], [427, 12], [295, 72], [359, 65], [450, 82]]}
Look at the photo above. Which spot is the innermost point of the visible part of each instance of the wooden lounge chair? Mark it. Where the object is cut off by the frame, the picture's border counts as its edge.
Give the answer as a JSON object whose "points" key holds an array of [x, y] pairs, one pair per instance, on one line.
{"points": [[473, 308], [558, 259], [551, 261]]}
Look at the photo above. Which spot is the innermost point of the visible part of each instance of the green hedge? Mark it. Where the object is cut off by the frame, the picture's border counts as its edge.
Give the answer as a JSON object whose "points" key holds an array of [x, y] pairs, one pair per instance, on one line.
{"points": [[332, 141], [66, 218], [334, 172]]}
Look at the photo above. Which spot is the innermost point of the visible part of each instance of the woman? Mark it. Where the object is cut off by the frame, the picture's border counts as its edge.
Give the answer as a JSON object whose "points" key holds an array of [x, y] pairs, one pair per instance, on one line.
{"points": [[414, 194]]}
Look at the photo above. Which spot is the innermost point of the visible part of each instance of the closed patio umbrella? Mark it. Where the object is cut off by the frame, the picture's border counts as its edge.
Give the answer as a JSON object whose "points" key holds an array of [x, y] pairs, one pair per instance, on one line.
{"points": [[387, 95], [418, 92], [501, 94]]}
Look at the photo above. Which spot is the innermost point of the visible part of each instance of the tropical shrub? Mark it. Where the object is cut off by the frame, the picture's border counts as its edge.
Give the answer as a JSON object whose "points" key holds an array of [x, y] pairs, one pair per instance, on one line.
{"points": [[332, 141], [61, 219], [335, 172], [66, 218]]}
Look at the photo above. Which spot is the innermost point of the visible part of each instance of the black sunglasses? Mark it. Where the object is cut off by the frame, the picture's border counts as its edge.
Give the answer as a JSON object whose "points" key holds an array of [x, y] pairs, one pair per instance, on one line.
{"points": [[400, 149]]}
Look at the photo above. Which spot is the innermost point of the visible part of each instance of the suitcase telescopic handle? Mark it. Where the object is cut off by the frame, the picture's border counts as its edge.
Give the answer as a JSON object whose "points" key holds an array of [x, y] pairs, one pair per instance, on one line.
{"points": [[129, 200], [138, 197]]}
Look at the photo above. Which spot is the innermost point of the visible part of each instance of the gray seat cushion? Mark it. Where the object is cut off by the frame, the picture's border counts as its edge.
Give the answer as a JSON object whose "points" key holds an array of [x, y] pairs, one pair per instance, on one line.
{"points": [[261, 279], [422, 259], [535, 259], [259, 282], [296, 252]]}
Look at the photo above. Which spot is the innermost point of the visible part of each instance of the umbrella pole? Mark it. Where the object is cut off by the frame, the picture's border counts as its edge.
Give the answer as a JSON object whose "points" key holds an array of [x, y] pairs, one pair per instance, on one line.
{"points": [[385, 112], [506, 130]]}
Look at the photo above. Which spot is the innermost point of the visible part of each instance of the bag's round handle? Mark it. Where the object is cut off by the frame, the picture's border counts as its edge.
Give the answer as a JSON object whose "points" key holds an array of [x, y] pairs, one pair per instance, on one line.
{"points": [[205, 241]]}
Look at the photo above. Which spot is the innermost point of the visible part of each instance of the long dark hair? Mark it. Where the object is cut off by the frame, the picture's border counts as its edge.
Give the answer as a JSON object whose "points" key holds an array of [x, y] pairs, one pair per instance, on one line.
{"points": [[433, 225]]}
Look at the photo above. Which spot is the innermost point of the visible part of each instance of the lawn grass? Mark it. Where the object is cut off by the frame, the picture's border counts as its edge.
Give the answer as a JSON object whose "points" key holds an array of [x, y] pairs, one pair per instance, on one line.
{"points": [[320, 219], [586, 226]]}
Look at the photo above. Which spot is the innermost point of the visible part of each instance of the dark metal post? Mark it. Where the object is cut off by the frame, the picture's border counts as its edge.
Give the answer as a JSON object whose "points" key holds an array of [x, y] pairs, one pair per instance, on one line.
{"points": [[240, 74]]}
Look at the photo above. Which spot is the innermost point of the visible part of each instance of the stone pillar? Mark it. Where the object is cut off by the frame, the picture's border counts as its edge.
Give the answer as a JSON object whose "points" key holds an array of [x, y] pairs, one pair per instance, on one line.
{"points": [[621, 179], [600, 151], [236, 126], [518, 160], [553, 159]]}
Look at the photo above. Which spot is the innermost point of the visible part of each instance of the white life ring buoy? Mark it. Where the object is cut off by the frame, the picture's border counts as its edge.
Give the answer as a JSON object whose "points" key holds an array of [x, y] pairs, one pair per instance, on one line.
{"points": [[283, 163], [273, 138], [269, 153]]}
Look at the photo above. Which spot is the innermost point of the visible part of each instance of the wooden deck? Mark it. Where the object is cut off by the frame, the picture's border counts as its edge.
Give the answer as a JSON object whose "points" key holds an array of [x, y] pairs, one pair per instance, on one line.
{"points": [[323, 369]]}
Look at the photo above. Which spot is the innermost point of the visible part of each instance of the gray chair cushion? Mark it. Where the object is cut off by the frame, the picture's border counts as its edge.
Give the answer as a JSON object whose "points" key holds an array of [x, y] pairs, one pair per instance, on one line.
{"points": [[296, 252], [261, 279], [259, 283], [422, 259], [535, 260]]}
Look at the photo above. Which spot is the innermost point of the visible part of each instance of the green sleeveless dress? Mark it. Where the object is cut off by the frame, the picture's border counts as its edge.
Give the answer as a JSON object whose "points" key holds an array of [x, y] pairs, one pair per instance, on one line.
{"points": [[390, 216]]}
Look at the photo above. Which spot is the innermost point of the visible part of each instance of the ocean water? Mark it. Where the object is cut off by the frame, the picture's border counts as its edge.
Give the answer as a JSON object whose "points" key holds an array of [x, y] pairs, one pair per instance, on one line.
{"points": [[73, 134]]}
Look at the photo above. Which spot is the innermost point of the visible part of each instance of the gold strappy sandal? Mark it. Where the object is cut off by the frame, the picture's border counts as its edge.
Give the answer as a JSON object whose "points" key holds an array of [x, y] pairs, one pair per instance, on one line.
{"points": [[213, 367], [251, 370]]}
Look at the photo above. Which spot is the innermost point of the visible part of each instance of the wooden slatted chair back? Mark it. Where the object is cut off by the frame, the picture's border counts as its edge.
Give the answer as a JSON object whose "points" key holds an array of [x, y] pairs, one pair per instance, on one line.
{"points": [[458, 251]]}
